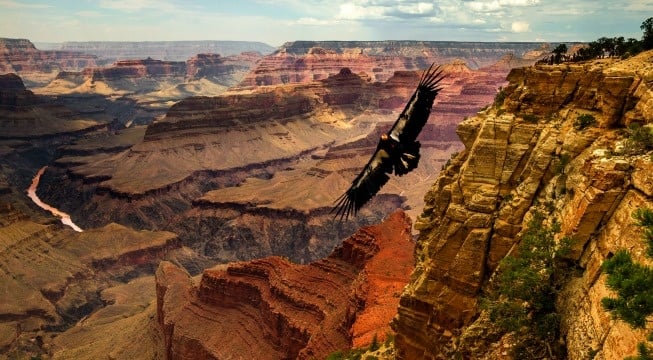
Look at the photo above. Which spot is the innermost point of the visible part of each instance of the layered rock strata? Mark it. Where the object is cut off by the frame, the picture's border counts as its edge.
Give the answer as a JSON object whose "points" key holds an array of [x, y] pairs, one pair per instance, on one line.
{"points": [[112, 51], [525, 153], [273, 309], [39, 66], [24, 115], [305, 61], [20, 55], [150, 80], [251, 174]]}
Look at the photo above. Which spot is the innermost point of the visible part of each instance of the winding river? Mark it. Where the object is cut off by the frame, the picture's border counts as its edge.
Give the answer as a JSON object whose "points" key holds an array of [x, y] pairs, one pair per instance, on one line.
{"points": [[31, 192]]}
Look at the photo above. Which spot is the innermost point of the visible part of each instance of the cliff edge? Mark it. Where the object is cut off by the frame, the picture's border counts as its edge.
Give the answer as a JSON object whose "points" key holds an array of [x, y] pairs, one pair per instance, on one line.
{"points": [[558, 140]]}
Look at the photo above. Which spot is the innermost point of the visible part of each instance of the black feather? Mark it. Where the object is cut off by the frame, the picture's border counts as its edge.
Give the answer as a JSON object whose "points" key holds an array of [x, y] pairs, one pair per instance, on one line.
{"points": [[398, 152]]}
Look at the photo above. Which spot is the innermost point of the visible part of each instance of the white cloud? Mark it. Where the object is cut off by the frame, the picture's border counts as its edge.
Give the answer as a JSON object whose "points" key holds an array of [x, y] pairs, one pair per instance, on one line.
{"points": [[17, 5], [89, 14], [351, 11], [313, 21], [497, 5], [520, 26], [138, 5]]}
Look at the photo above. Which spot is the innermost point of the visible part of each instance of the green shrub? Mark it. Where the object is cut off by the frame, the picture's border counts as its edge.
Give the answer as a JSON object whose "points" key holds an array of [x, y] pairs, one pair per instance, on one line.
{"points": [[374, 346], [531, 118], [389, 339], [561, 163], [523, 296], [583, 121], [500, 97], [633, 283], [639, 139]]}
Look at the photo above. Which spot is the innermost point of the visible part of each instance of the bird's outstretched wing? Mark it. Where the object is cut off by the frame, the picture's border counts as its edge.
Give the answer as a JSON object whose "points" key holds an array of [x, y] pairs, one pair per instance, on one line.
{"points": [[417, 110], [366, 184], [403, 133]]}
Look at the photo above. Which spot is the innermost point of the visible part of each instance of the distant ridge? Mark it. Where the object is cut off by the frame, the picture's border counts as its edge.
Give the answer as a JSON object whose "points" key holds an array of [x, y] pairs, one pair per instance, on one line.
{"points": [[161, 50], [380, 47]]}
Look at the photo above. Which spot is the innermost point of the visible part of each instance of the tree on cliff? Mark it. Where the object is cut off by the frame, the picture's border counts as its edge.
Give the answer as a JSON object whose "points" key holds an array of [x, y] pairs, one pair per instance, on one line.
{"points": [[558, 51], [617, 46], [647, 38], [522, 296]]}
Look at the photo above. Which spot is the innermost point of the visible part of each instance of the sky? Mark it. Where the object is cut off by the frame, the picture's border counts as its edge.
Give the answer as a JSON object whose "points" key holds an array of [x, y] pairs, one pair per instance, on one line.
{"points": [[275, 22]]}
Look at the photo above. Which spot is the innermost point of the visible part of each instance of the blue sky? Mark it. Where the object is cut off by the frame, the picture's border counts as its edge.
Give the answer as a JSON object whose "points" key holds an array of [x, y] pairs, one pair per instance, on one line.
{"points": [[277, 21]]}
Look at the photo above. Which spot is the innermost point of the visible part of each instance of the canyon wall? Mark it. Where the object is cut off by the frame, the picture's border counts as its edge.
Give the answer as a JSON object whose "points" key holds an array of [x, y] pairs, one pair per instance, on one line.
{"points": [[254, 173], [111, 51], [303, 61], [272, 309], [510, 168], [38, 67]]}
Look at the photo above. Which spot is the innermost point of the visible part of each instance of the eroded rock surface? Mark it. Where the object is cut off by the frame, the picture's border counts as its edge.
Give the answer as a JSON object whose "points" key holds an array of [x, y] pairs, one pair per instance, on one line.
{"points": [[512, 166], [272, 309]]}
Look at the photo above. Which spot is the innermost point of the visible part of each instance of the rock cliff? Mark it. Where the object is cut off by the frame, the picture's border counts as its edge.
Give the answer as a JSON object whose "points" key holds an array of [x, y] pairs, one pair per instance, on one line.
{"points": [[272, 309], [22, 57], [154, 84], [530, 151], [24, 115], [303, 61]]}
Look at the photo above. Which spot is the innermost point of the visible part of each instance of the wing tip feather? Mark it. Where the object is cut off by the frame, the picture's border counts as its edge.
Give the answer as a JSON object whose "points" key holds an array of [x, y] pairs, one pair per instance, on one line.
{"points": [[432, 77]]}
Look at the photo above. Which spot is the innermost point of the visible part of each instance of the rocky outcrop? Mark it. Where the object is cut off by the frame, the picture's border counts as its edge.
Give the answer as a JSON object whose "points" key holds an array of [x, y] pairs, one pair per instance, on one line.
{"points": [[271, 309], [25, 115], [20, 55], [511, 166], [127, 69], [224, 70], [39, 66], [305, 61], [13, 95]]}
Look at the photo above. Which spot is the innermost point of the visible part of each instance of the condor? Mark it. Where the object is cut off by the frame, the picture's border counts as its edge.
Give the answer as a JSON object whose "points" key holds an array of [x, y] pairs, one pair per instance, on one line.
{"points": [[398, 149]]}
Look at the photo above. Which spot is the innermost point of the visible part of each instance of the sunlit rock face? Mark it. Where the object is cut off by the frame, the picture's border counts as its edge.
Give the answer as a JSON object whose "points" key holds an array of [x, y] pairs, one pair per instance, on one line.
{"points": [[303, 61], [274, 309], [480, 203]]}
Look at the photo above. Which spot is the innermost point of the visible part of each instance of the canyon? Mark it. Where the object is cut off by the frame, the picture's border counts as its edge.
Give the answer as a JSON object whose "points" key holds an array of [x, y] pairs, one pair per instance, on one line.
{"points": [[209, 213]]}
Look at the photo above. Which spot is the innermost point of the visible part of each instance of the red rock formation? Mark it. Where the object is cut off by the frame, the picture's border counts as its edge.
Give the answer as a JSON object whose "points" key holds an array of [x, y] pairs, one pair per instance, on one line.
{"points": [[20, 55], [221, 69], [272, 309], [13, 95], [126, 69], [305, 61]]}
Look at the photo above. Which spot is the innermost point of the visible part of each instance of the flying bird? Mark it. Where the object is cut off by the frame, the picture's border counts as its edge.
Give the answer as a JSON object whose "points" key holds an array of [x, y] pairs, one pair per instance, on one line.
{"points": [[398, 149]]}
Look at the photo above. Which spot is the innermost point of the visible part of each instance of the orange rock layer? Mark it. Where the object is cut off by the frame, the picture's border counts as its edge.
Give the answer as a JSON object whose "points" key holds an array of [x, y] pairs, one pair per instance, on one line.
{"points": [[271, 308]]}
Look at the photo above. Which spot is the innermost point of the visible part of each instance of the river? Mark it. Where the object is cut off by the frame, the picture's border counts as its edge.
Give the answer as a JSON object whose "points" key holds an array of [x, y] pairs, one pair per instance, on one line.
{"points": [[31, 192]]}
